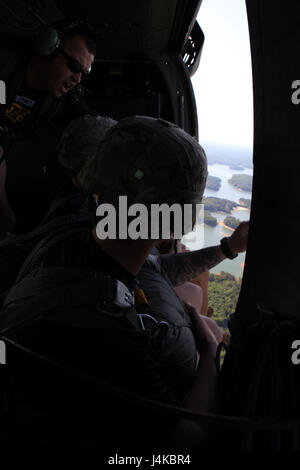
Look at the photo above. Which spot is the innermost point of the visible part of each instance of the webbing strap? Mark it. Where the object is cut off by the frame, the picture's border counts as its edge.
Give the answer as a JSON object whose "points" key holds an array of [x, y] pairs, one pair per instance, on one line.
{"points": [[59, 222], [61, 233], [46, 289]]}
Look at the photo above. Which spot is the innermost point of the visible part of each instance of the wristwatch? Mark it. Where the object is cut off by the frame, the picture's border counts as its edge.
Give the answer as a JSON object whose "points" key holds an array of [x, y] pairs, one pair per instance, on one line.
{"points": [[226, 250]]}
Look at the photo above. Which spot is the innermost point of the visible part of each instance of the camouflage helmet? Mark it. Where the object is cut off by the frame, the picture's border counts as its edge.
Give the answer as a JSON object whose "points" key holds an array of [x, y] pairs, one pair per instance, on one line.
{"points": [[80, 140], [150, 161]]}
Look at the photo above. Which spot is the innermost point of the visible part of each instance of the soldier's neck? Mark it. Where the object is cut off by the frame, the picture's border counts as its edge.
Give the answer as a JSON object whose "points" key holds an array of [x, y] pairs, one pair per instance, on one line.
{"points": [[129, 255]]}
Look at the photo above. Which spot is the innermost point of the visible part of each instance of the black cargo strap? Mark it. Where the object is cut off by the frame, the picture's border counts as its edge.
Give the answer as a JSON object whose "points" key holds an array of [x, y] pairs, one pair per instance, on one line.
{"points": [[58, 223], [61, 233], [46, 289], [16, 248]]}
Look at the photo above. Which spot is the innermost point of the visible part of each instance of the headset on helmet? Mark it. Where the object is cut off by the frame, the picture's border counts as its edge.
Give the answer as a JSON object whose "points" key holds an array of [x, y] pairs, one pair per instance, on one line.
{"points": [[49, 38]]}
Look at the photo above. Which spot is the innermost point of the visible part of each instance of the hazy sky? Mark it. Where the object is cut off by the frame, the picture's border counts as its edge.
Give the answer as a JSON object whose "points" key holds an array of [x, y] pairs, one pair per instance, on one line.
{"points": [[223, 81]]}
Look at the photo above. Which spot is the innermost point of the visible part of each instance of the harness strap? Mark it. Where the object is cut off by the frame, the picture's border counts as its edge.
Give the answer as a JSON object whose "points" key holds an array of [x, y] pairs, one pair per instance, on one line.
{"points": [[61, 233], [60, 222], [46, 289]]}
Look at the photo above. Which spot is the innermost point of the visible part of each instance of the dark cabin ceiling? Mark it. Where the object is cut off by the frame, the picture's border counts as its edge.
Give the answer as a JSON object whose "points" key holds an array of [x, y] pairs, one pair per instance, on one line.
{"points": [[131, 29]]}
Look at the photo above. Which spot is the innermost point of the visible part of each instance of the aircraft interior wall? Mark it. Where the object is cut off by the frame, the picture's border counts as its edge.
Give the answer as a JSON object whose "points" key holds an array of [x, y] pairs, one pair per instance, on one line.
{"points": [[271, 276]]}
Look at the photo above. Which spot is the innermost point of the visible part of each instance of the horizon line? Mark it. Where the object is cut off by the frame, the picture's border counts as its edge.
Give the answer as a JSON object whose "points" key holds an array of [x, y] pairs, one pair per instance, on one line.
{"points": [[227, 144]]}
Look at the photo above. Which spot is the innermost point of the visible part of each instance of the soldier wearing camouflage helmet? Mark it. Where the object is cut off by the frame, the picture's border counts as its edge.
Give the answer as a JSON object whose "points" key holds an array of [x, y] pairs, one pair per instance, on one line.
{"points": [[153, 161], [78, 144], [110, 328], [149, 160], [80, 140]]}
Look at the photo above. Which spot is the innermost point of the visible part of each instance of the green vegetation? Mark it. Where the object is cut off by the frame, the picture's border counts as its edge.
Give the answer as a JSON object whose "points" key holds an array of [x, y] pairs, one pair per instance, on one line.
{"points": [[213, 183], [243, 182], [209, 219], [223, 292], [245, 202], [231, 222], [216, 204]]}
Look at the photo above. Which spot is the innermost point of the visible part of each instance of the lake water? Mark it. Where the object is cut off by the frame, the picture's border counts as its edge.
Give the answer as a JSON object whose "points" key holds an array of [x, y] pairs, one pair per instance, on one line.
{"points": [[212, 235]]}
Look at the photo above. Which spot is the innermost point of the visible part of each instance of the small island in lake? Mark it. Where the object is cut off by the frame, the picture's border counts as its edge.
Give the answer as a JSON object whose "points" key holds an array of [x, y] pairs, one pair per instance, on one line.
{"points": [[245, 202], [231, 222], [213, 182], [216, 204], [209, 219], [243, 182]]}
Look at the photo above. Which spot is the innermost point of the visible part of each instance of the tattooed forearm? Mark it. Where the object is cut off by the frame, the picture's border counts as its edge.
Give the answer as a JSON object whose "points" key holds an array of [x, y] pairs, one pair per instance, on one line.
{"points": [[184, 267]]}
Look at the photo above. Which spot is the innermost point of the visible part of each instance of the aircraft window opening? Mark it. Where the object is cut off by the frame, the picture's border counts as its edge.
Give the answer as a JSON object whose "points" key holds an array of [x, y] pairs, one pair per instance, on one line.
{"points": [[223, 94]]}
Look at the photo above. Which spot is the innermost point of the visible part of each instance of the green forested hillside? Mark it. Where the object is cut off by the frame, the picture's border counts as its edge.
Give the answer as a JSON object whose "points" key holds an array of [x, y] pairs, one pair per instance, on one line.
{"points": [[213, 182], [209, 219], [231, 222], [245, 202], [223, 292], [216, 204], [243, 182]]}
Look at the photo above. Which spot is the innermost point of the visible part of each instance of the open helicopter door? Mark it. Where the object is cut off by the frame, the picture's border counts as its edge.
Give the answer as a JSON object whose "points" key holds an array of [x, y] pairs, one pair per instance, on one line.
{"points": [[261, 371]]}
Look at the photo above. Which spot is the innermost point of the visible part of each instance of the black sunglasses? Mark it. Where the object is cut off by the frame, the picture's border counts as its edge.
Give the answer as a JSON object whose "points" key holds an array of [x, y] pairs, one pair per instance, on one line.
{"points": [[74, 65]]}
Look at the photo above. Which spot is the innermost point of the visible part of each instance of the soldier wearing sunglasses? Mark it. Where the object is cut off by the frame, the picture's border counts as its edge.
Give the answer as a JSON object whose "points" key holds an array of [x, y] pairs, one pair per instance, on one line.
{"points": [[38, 85]]}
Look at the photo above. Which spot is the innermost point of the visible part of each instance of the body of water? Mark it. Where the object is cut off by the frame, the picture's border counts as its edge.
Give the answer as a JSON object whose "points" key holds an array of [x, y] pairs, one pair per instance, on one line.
{"points": [[213, 235]]}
